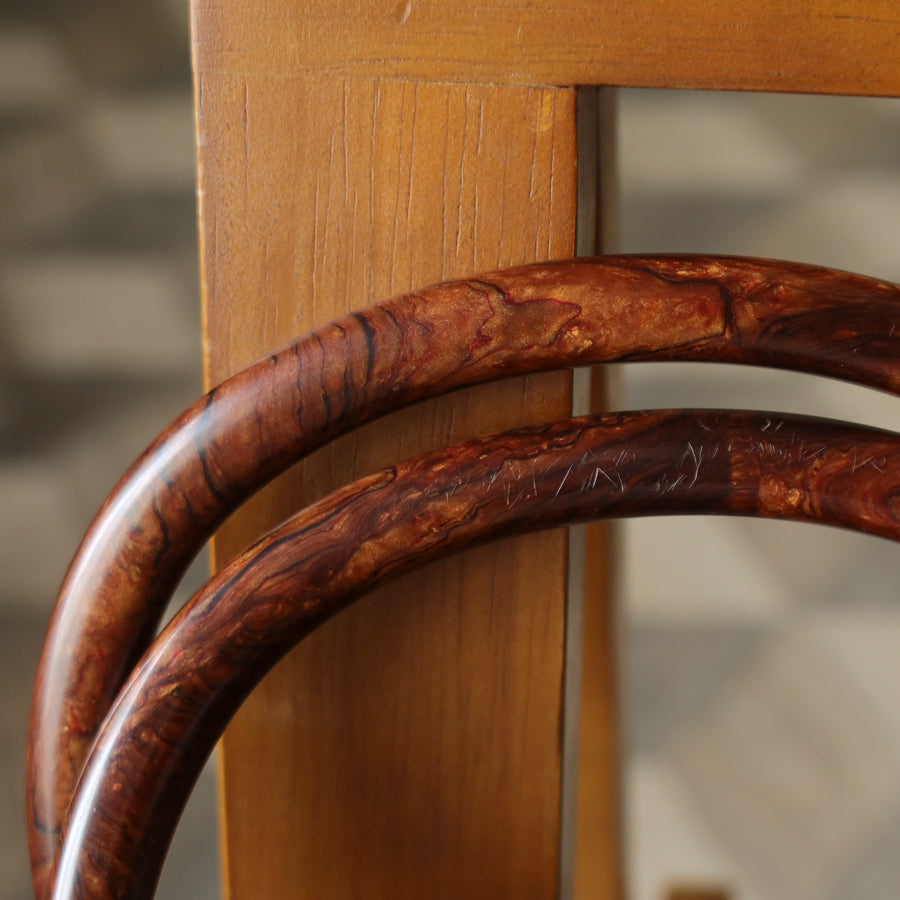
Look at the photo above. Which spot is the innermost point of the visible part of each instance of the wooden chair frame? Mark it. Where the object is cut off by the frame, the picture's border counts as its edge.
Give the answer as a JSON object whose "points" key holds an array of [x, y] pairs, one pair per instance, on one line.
{"points": [[494, 326], [352, 150]]}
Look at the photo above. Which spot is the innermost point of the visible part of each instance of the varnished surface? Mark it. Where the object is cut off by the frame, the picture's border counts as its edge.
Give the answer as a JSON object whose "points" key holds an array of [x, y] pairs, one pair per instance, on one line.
{"points": [[317, 192], [820, 46], [196, 674], [516, 321], [599, 838]]}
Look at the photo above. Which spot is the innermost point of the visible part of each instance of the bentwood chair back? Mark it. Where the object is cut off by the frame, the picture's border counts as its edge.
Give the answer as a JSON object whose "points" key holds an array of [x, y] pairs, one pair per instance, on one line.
{"points": [[350, 151], [163, 722]]}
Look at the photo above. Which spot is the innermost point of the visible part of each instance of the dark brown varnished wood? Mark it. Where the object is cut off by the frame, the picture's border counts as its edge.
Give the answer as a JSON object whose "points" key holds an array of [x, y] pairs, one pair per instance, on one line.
{"points": [[420, 344], [196, 674]]}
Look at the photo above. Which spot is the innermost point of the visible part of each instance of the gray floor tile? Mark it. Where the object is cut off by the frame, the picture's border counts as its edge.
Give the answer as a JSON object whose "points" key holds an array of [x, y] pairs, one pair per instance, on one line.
{"points": [[874, 873], [792, 769], [675, 674], [143, 142], [870, 581], [127, 221], [33, 71], [47, 181], [684, 223], [20, 639], [708, 143], [52, 306], [670, 842]]}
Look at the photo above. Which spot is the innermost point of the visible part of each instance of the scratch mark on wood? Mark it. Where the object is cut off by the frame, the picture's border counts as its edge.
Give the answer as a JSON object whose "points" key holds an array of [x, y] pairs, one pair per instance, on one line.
{"points": [[562, 483]]}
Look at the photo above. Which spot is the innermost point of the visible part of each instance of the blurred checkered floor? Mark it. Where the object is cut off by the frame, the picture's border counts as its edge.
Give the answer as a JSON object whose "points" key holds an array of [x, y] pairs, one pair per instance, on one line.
{"points": [[99, 320], [764, 734], [762, 657]]}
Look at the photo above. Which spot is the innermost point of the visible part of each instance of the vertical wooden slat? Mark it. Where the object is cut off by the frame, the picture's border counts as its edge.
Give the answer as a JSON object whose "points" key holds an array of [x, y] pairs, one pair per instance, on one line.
{"points": [[598, 852], [412, 747]]}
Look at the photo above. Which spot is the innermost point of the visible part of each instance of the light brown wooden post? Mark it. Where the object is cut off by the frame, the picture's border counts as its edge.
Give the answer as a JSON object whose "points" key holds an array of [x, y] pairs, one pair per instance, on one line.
{"points": [[412, 747]]}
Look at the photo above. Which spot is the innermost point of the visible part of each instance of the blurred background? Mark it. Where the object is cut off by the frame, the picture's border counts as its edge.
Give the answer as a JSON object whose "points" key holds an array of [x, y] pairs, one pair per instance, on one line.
{"points": [[763, 727]]}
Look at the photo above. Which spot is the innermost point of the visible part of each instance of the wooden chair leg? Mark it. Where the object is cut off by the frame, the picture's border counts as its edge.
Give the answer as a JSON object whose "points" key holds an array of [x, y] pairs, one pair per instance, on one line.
{"points": [[698, 892]]}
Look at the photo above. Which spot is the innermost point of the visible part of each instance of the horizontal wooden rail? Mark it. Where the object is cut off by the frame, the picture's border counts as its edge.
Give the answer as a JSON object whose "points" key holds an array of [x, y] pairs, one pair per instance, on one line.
{"points": [[818, 46]]}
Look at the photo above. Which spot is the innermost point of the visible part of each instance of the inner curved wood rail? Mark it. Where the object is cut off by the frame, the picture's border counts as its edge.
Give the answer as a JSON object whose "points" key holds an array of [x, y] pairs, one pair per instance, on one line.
{"points": [[420, 344], [196, 674]]}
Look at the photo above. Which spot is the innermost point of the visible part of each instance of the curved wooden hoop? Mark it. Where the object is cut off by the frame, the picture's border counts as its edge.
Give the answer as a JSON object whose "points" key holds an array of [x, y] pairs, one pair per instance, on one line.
{"points": [[177, 702], [504, 323]]}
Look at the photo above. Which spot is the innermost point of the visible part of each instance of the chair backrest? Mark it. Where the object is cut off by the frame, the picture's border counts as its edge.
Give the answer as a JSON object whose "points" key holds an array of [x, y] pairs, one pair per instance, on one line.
{"points": [[493, 326], [359, 149], [355, 150]]}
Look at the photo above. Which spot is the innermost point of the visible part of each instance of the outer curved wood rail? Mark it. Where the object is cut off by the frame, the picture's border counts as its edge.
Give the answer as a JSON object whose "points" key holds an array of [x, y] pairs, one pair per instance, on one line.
{"points": [[420, 344], [197, 673]]}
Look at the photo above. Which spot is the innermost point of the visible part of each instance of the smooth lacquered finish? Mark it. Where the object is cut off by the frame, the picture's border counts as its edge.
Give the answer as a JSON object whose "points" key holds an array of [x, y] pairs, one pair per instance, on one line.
{"points": [[179, 699], [520, 320]]}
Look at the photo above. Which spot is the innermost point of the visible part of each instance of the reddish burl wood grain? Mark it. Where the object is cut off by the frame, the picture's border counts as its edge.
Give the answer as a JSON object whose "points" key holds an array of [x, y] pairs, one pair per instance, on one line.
{"points": [[177, 702], [420, 344]]}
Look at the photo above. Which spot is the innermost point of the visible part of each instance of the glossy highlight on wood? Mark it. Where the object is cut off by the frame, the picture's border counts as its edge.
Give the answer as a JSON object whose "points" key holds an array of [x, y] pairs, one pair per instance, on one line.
{"points": [[196, 674], [520, 320]]}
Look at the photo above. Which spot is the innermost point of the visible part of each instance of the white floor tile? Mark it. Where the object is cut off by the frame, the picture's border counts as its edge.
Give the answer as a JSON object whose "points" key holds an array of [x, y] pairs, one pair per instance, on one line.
{"points": [[669, 842], [866, 644], [806, 558], [850, 223], [792, 770], [832, 133], [705, 143], [696, 569]]}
